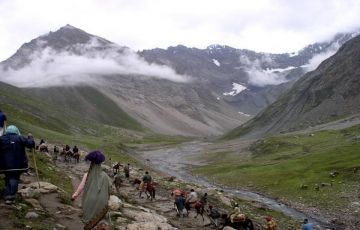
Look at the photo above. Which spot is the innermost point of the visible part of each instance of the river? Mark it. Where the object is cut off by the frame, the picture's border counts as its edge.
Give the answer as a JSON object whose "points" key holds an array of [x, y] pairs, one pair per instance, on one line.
{"points": [[177, 161]]}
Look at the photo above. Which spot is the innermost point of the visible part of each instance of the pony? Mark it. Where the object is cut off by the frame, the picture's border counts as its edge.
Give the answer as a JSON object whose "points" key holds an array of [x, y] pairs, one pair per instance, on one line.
{"points": [[150, 191], [198, 206]]}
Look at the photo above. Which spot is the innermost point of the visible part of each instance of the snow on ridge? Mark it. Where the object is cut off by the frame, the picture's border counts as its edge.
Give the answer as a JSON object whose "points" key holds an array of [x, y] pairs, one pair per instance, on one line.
{"points": [[237, 88], [216, 62], [244, 114], [279, 69]]}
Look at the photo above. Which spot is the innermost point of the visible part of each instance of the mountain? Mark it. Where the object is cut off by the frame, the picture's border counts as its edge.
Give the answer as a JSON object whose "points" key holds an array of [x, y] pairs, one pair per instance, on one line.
{"points": [[262, 76], [179, 90], [330, 92]]}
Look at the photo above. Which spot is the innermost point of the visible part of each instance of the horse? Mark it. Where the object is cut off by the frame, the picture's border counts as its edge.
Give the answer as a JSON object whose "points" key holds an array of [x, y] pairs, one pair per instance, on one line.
{"points": [[150, 187], [43, 148], [198, 206]]}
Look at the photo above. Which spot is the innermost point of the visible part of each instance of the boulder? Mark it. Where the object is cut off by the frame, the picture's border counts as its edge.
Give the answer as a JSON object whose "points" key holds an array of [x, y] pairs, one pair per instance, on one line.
{"points": [[29, 193], [114, 203], [45, 187], [140, 216], [31, 215], [34, 203]]}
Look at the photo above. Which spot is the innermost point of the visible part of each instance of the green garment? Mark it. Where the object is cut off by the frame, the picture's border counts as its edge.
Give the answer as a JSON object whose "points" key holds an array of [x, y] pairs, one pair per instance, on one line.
{"points": [[96, 195], [147, 178]]}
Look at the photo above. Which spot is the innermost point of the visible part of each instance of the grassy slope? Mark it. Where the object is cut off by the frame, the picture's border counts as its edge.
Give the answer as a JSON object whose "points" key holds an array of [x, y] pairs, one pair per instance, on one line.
{"points": [[279, 165], [88, 103]]}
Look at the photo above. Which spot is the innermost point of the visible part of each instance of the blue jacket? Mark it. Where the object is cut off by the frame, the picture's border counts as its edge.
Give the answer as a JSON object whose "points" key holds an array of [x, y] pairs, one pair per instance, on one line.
{"points": [[12, 152], [308, 226]]}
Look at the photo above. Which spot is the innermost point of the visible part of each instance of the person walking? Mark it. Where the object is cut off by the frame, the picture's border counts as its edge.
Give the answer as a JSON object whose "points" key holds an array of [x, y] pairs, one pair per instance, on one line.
{"points": [[127, 171], [307, 225], [13, 159], [96, 188], [2, 123], [270, 223]]}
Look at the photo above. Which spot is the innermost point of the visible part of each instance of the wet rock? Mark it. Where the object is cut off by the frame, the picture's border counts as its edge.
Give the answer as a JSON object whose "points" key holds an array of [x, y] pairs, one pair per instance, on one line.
{"points": [[31, 215], [114, 203]]}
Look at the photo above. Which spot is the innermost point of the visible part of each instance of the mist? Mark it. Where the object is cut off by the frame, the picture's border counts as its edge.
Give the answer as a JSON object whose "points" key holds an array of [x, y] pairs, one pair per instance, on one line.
{"points": [[49, 67], [315, 61], [257, 75]]}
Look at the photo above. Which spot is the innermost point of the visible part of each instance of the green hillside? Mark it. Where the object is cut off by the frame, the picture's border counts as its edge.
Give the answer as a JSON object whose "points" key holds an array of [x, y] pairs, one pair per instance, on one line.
{"points": [[290, 168], [88, 103]]}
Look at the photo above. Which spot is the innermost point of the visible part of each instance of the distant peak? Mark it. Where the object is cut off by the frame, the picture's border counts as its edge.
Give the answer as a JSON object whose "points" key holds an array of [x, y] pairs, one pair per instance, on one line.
{"points": [[68, 26]]}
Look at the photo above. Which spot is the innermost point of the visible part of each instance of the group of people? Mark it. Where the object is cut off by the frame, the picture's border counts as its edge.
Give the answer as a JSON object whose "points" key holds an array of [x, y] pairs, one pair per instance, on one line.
{"points": [[96, 185]]}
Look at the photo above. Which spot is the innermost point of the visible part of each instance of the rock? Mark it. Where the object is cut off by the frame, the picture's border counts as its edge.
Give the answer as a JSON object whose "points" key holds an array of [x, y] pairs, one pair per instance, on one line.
{"points": [[325, 184], [304, 186], [29, 193], [228, 228], [45, 187], [59, 226], [34, 203], [317, 187], [334, 174], [150, 226], [121, 220], [31, 215], [114, 203], [139, 216]]}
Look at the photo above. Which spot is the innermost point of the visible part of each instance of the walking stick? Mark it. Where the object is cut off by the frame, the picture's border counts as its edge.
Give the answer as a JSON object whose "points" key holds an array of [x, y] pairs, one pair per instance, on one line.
{"points": [[36, 169]]}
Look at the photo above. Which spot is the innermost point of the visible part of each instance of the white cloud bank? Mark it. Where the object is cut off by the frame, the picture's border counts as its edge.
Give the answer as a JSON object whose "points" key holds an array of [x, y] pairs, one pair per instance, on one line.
{"points": [[51, 68], [315, 61], [258, 76]]}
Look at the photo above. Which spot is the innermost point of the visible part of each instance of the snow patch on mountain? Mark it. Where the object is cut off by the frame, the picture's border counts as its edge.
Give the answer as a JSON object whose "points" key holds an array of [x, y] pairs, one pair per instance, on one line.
{"points": [[244, 114], [216, 62], [237, 88], [279, 70]]}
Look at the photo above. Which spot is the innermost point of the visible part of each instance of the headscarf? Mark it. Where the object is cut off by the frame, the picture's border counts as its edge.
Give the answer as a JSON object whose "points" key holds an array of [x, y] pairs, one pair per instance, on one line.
{"points": [[96, 194], [96, 157], [12, 129]]}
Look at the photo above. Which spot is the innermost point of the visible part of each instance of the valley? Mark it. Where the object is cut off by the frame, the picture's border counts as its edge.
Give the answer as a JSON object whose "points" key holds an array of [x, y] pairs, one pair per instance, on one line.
{"points": [[259, 129]]}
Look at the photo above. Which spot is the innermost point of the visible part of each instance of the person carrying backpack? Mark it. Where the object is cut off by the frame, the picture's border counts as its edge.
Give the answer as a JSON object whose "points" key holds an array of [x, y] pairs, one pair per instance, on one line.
{"points": [[2, 123], [13, 159]]}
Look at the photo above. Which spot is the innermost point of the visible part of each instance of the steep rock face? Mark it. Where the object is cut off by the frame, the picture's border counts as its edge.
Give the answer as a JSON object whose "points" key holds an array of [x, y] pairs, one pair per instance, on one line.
{"points": [[330, 92]]}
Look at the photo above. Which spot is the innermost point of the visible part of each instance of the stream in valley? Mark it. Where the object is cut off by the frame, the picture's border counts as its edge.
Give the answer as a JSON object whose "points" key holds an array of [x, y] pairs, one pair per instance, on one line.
{"points": [[178, 161]]}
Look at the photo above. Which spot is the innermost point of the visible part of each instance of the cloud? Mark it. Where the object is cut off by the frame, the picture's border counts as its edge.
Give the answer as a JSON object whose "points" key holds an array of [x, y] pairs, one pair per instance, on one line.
{"points": [[315, 61], [260, 25], [257, 75], [89, 66]]}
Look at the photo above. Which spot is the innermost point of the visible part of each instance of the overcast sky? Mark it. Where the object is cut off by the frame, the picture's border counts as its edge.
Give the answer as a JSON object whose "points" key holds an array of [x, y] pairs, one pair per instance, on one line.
{"points": [[261, 25]]}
